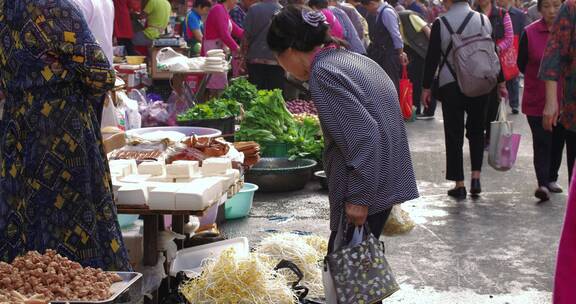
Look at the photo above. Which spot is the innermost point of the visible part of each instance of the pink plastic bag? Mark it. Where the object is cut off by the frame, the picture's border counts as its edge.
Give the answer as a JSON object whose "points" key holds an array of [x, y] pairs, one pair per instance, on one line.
{"points": [[508, 146]]}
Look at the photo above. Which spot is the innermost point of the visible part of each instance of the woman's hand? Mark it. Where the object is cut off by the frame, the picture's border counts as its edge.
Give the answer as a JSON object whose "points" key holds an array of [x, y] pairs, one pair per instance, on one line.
{"points": [[426, 97], [356, 214], [404, 58], [503, 90], [550, 117]]}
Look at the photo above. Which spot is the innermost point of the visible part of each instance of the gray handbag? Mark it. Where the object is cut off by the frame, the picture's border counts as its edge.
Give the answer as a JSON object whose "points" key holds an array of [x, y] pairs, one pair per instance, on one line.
{"points": [[361, 273]]}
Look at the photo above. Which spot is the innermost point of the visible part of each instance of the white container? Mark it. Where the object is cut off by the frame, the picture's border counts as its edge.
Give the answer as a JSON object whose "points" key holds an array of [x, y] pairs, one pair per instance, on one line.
{"points": [[190, 260]]}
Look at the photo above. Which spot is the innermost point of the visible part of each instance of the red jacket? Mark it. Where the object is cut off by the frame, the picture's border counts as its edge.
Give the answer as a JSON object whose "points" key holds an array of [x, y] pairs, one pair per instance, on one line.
{"points": [[122, 21]]}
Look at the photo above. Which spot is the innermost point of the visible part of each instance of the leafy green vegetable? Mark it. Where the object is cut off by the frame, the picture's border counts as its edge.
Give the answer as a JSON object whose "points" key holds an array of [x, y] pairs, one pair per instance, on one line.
{"points": [[268, 120], [309, 142], [217, 108], [242, 91]]}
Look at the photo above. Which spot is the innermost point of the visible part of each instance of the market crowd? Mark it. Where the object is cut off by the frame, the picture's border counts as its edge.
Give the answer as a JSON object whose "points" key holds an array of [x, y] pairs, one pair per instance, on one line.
{"points": [[55, 187]]}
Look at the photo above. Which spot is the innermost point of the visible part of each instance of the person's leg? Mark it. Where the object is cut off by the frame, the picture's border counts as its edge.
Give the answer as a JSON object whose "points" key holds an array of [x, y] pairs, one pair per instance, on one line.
{"points": [[128, 46], [513, 94], [475, 109], [453, 131], [491, 113], [558, 140], [377, 222], [570, 151], [541, 143], [415, 72]]}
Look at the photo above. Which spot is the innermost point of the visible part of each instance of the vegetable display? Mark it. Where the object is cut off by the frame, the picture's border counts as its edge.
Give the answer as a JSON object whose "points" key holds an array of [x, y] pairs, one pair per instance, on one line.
{"points": [[308, 142], [299, 106], [242, 91], [306, 252], [214, 109], [230, 279], [267, 120]]}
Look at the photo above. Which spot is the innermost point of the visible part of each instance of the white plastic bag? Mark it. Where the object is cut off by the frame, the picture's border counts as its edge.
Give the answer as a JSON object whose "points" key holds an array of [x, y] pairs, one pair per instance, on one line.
{"points": [[169, 60], [166, 243], [133, 117], [504, 144], [399, 222], [329, 289], [111, 116]]}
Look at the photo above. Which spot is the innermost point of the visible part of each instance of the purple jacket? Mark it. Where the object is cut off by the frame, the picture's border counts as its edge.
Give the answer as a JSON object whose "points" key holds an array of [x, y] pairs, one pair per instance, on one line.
{"points": [[530, 53]]}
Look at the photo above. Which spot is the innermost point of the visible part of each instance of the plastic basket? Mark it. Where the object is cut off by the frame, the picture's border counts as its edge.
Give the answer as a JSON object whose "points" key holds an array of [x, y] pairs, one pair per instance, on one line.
{"points": [[240, 204]]}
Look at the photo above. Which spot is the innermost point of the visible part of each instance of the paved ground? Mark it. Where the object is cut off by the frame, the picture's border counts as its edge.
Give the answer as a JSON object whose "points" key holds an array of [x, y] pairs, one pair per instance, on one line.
{"points": [[498, 249]]}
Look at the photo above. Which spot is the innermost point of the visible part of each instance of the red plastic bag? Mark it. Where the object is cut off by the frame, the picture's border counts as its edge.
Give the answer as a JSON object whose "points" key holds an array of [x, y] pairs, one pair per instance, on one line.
{"points": [[508, 60], [406, 91]]}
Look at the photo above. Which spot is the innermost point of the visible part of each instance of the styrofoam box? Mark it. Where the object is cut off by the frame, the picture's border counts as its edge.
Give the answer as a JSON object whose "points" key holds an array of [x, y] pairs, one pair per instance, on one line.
{"points": [[190, 260]]}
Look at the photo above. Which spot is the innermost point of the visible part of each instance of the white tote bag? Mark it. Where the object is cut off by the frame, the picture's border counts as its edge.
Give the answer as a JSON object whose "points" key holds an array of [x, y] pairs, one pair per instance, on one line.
{"points": [[504, 143]]}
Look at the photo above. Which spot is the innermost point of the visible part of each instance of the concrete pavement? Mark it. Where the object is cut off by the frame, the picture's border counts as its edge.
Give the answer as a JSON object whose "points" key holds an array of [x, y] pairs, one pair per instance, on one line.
{"points": [[498, 249]]}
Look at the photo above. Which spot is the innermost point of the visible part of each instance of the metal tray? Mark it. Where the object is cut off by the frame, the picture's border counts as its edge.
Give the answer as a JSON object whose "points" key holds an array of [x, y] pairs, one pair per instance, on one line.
{"points": [[117, 289]]}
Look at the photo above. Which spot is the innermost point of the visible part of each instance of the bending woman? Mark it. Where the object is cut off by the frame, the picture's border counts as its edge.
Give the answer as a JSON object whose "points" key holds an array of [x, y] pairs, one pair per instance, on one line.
{"points": [[367, 158], [55, 189]]}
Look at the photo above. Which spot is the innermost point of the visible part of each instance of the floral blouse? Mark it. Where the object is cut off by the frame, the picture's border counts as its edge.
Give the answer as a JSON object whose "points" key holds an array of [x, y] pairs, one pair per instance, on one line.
{"points": [[559, 62]]}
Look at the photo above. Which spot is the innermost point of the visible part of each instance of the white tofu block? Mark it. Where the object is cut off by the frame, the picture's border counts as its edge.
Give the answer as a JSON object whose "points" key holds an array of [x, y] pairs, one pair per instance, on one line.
{"points": [[194, 164], [182, 169], [152, 168], [161, 179], [135, 179], [219, 181], [120, 170], [212, 166], [163, 197], [134, 194], [131, 163], [199, 194], [184, 180]]}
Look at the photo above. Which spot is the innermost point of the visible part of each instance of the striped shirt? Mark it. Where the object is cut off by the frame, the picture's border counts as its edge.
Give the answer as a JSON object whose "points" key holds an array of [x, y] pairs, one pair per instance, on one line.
{"points": [[367, 158]]}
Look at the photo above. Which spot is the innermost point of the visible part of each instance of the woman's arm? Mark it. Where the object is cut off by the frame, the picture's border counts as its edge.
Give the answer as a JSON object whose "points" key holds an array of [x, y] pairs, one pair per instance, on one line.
{"points": [[433, 56], [222, 19], [523, 53], [508, 39], [237, 31], [78, 51], [354, 131]]}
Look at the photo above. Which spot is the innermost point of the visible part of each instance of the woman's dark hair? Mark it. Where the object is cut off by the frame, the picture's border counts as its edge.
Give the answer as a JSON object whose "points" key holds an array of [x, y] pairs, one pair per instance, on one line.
{"points": [[289, 30], [318, 4], [202, 3], [540, 3]]}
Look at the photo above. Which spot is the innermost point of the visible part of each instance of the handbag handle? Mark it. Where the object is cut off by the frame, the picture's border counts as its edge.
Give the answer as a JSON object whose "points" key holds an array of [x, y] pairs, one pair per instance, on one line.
{"points": [[404, 72], [301, 291]]}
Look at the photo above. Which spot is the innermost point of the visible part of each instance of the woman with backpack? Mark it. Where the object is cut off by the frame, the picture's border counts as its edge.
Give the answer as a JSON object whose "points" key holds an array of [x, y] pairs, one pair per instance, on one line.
{"points": [[503, 35], [456, 91]]}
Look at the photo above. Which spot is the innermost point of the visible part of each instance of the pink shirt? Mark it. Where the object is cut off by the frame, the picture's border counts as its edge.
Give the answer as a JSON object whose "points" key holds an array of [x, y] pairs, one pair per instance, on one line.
{"points": [[217, 26], [564, 291], [534, 98], [336, 29]]}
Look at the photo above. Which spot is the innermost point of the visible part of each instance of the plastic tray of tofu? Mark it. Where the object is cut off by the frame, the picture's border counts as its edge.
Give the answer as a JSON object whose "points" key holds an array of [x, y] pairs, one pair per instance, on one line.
{"points": [[117, 289]]}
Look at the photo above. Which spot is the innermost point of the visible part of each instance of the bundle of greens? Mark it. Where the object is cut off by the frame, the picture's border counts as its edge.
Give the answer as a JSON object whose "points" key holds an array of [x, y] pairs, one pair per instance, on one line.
{"points": [[309, 142], [267, 120], [242, 91], [217, 108]]}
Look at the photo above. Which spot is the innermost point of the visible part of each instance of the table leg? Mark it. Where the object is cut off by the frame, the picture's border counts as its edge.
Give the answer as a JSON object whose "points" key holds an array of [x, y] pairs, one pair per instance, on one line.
{"points": [[178, 227], [151, 248]]}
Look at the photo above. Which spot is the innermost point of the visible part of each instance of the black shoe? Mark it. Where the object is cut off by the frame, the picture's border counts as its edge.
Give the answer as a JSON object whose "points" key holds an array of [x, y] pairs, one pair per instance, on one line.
{"points": [[543, 194], [475, 187], [458, 193], [424, 117], [515, 111]]}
